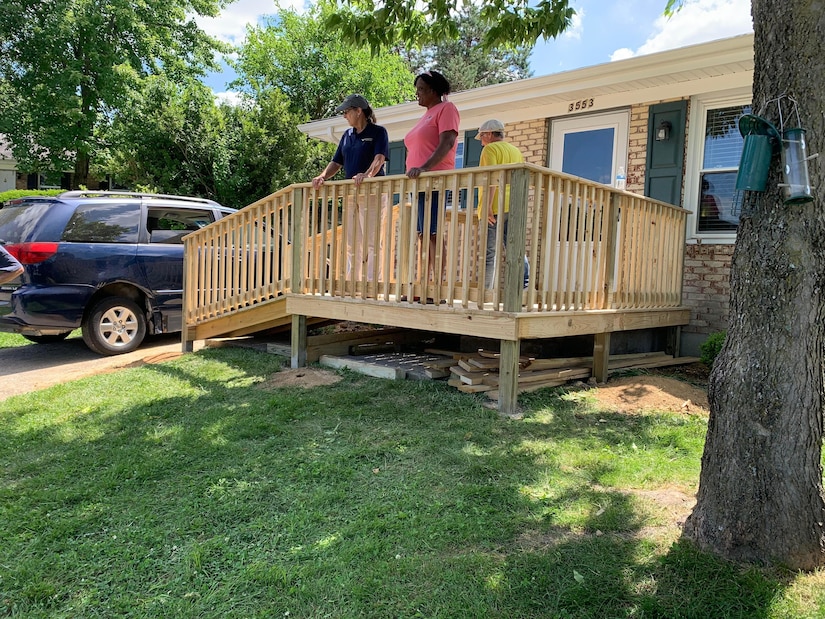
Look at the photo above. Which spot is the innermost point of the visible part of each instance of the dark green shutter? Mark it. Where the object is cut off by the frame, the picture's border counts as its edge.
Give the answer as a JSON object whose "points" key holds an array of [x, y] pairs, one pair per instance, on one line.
{"points": [[472, 149], [472, 156], [666, 159], [398, 158]]}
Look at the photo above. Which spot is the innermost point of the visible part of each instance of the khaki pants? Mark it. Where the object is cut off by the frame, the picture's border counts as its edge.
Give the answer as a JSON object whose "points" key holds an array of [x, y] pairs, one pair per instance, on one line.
{"points": [[365, 218]]}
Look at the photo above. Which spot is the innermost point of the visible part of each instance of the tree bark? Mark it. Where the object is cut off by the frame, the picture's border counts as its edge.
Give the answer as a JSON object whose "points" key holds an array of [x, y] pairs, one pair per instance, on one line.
{"points": [[81, 170], [760, 496]]}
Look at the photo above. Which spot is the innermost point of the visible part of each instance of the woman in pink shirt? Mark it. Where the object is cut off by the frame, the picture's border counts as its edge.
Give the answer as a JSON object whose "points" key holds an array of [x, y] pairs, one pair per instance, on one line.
{"points": [[431, 144]]}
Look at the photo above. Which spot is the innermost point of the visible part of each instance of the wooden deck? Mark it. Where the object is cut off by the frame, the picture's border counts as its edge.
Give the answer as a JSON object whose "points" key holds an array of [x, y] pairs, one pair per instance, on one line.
{"points": [[601, 261]]}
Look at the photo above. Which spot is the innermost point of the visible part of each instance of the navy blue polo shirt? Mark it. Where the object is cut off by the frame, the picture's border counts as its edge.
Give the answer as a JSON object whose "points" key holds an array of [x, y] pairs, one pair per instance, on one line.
{"points": [[357, 150], [8, 264]]}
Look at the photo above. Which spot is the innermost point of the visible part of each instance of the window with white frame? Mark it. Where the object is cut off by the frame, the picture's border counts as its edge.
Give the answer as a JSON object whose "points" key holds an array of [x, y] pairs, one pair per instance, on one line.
{"points": [[459, 155], [710, 187]]}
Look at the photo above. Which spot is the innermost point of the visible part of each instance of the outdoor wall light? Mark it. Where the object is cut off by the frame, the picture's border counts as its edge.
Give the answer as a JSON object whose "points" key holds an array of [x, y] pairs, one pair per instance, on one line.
{"points": [[663, 132]]}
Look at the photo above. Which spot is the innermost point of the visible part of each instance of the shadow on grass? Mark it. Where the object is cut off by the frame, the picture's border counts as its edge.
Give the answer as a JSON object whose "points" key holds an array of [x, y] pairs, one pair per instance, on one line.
{"points": [[365, 498]]}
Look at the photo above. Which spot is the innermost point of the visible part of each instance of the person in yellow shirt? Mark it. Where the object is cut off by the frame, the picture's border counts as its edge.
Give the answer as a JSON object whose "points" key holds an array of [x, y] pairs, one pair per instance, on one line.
{"points": [[495, 151]]}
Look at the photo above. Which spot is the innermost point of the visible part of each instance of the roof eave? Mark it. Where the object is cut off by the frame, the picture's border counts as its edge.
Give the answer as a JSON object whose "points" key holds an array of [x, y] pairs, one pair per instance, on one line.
{"points": [[678, 72]]}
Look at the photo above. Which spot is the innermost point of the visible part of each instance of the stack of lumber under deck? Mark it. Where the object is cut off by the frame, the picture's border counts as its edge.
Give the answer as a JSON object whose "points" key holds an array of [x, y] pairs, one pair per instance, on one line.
{"points": [[478, 372]]}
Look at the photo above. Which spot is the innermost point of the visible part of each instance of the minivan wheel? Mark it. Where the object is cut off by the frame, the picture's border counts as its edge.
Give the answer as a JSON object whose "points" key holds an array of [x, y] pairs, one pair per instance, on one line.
{"points": [[115, 325], [47, 339]]}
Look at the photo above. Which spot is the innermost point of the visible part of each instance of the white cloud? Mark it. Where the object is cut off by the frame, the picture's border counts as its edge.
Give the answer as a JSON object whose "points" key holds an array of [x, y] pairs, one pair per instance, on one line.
{"points": [[621, 54], [697, 22], [576, 26], [229, 97], [230, 25]]}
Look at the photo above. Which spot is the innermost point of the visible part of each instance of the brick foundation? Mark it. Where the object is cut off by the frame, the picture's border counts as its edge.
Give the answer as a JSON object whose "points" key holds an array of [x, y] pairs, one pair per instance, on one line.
{"points": [[706, 287]]}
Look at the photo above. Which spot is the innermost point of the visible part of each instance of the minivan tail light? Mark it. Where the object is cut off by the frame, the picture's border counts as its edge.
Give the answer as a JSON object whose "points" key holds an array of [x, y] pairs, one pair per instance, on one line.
{"points": [[32, 253]]}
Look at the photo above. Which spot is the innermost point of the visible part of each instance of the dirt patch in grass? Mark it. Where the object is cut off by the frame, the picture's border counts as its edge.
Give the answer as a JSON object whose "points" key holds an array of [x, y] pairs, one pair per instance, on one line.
{"points": [[652, 392], [301, 377], [671, 507]]}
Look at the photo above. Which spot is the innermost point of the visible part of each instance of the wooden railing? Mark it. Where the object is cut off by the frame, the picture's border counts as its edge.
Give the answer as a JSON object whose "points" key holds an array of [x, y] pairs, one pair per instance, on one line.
{"points": [[588, 246]]}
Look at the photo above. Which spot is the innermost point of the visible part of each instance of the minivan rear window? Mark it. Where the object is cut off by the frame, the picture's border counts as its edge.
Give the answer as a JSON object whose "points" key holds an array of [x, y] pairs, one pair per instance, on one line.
{"points": [[28, 222], [104, 223]]}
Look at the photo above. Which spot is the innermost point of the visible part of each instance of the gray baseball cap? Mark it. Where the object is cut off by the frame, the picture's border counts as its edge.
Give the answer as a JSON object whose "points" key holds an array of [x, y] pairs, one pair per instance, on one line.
{"points": [[492, 125], [353, 101]]}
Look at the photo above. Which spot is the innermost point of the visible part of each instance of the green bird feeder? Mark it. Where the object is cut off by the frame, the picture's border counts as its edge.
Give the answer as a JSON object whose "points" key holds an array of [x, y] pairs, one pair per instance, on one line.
{"points": [[761, 142]]}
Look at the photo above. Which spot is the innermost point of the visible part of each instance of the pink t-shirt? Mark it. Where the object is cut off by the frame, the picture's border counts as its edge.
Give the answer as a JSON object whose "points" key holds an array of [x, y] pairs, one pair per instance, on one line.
{"points": [[422, 140]]}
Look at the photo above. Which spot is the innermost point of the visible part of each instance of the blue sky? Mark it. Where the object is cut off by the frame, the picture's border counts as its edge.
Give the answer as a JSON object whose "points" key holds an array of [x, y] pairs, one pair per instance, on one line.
{"points": [[602, 31]]}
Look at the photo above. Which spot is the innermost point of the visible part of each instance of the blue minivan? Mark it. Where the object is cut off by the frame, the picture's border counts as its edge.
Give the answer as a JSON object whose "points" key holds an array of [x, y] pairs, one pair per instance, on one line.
{"points": [[108, 262]]}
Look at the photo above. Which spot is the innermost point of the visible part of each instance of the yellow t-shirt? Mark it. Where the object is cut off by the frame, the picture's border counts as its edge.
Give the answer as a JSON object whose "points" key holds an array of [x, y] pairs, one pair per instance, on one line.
{"points": [[498, 153]]}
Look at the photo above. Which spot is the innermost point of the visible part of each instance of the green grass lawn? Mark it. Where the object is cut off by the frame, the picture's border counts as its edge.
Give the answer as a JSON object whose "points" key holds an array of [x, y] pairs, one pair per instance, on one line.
{"points": [[10, 340], [185, 489]]}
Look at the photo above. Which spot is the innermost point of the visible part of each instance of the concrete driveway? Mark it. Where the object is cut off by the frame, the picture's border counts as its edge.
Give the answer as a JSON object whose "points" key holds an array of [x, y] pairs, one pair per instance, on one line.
{"points": [[37, 366]]}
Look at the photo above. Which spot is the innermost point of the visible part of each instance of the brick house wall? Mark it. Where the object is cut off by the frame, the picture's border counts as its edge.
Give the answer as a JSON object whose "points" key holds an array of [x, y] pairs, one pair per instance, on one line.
{"points": [[531, 137], [706, 288], [637, 148]]}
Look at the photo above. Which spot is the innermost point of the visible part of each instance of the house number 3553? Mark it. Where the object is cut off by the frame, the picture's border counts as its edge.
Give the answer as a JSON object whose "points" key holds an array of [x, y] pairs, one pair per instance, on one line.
{"points": [[581, 104]]}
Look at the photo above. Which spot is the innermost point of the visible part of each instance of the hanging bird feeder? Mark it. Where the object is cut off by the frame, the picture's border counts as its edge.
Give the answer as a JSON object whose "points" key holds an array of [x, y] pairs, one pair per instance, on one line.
{"points": [[797, 187], [761, 142]]}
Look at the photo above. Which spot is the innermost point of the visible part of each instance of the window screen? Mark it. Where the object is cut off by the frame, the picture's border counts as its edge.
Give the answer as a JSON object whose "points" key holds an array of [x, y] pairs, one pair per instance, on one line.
{"points": [[720, 164]]}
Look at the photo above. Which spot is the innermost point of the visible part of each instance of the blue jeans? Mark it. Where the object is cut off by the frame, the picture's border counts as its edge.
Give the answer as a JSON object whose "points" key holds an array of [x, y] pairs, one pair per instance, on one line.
{"points": [[490, 258], [422, 199]]}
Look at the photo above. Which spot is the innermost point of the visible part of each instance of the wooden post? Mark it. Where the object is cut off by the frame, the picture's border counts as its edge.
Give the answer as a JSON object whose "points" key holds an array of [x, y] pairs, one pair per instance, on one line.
{"points": [[298, 234], [601, 356], [508, 376], [513, 285], [406, 248], [299, 341], [674, 341], [610, 251], [299, 322], [516, 240], [186, 343]]}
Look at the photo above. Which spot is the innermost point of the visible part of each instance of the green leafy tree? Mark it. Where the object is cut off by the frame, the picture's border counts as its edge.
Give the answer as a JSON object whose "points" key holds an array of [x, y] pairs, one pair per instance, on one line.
{"points": [[465, 62], [169, 137], [68, 65], [381, 25], [295, 55], [265, 150], [760, 495], [173, 138]]}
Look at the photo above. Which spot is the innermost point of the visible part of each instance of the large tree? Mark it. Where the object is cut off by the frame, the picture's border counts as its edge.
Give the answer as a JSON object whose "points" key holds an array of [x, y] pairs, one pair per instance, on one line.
{"points": [[266, 151], [760, 493], [172, 137], [293, 54], [68, 64], [169, 137]]}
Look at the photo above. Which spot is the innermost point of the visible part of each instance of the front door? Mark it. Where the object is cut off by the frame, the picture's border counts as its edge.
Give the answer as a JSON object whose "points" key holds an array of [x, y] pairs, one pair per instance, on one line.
{"points": [[592, 147]]}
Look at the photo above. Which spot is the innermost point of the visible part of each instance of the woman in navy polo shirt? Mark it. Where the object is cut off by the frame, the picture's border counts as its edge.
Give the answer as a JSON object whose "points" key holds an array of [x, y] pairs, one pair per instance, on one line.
{"points": [[9, 266], [362, 151]]}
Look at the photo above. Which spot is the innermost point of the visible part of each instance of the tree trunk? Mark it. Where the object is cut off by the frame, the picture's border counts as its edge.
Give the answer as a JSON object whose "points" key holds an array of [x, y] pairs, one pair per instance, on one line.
{"points": [[81, 170], [760, 493]]}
